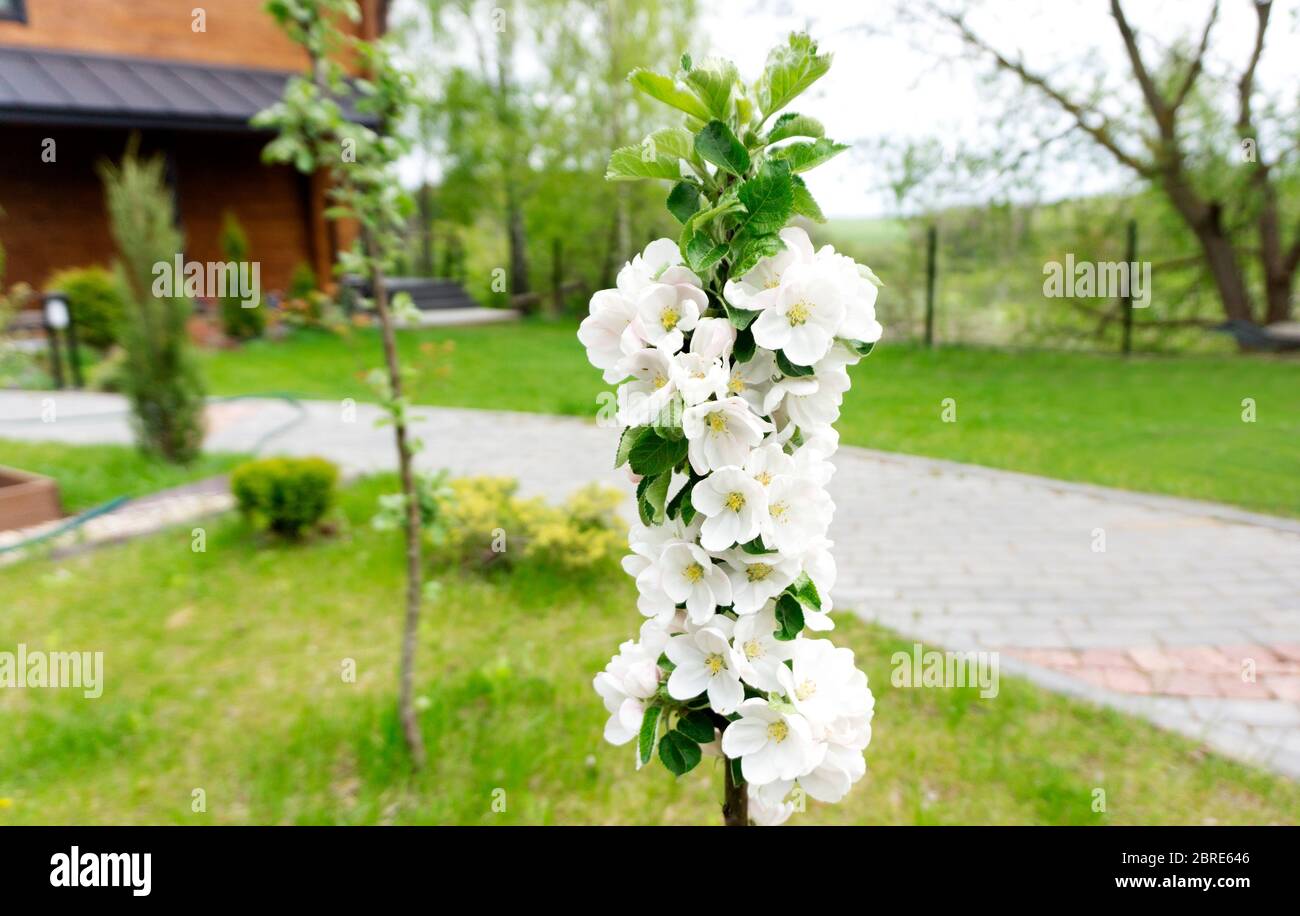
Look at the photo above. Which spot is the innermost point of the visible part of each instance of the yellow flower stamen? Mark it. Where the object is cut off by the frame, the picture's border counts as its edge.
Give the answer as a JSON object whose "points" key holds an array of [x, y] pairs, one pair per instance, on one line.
{"points": [[714, 663], [799, 313], [753, 649], [668, 317], [736, 385], [778, 731], [717, 422], [777, 511], [693, 573], [763, 477], [757, 572], [735, 501], [805, 690], [659, 380]]}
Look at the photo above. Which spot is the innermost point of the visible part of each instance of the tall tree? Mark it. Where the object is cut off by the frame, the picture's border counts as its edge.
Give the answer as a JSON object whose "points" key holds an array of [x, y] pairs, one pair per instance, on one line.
{"points": [[1236, 194]]}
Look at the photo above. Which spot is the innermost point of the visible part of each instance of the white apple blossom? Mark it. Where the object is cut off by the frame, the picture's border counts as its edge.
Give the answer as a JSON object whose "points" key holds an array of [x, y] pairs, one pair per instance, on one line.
{"points": [[651, 389], [804, 317], [713, 338], [772, 743], [756, 578], [705, 663], [734, 506], [752, 380], [689, 576], [630, 678], [698, 377], [721, 433], [758, 289], [824, 684], [664, 313], [605, 332], [760, 656], [798, 514]]}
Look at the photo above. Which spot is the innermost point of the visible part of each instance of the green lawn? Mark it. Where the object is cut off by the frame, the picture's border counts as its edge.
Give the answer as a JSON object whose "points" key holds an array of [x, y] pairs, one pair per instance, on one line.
{"points": [[91, 475], [1158, 424], [223, 673]]}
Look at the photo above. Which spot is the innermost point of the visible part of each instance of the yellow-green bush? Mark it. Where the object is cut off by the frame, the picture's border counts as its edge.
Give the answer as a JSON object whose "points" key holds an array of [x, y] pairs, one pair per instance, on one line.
{"points": [[483, 521], [287, 495]]}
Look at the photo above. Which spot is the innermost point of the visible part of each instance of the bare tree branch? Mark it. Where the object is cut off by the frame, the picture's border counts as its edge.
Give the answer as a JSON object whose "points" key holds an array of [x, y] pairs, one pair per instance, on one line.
{"points": [[1090, 121], [1194, 71], [1160, 110]]}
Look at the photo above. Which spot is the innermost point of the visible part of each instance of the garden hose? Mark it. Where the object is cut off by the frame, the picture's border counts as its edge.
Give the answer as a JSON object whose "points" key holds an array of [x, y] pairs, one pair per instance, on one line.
{"points": [[76, 521]]}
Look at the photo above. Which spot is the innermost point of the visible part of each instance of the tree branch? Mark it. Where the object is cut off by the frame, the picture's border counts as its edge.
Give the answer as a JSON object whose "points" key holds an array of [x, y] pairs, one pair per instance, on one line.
{"points": [[1100, 132], [1160, 110], [1194, 71]]}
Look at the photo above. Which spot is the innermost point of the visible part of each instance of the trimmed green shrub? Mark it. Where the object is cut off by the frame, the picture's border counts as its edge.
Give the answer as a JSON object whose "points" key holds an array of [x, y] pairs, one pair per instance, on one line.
{"points": [[286, 495], [303, 282], [96, 303], [237, 322], [159, 375]]}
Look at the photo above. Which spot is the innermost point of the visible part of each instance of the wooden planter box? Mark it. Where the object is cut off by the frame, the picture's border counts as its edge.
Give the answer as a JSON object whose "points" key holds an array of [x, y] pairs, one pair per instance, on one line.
{"points": [[27, 499]]}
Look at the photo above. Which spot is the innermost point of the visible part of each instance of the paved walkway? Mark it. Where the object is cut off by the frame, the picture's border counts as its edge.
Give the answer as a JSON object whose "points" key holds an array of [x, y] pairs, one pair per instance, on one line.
{"points": [[1186, 613]]}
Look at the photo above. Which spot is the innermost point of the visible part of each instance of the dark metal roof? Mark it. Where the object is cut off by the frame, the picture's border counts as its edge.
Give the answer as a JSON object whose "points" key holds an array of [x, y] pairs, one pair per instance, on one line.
{"points": [[59, 87]]}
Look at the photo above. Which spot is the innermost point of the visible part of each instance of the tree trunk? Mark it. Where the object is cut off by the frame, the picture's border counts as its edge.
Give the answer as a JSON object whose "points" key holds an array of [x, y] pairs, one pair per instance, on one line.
{"points": [[426, 230], [411, 620], [735, 800], [518, 243]]}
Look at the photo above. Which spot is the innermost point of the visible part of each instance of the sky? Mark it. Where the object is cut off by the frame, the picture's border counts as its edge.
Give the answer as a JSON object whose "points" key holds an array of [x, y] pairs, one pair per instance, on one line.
{"points": [[891, 80]]}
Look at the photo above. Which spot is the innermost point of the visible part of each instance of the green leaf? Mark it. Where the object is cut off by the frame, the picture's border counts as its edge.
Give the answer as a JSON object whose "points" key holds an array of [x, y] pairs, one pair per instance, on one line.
{"points": [[649, 729], [697, 725], [679, 753], [789, 617], [768, 198], [717, 144], [702, 252], [746, 252], [673, 142], [860, 347], [630, 163], [795, 125], [803, 155], [737, 771], [654, 495], [804, 204], [805, 590], [686, 511], [653, 454], [743, 349], [674, 507], [625, 443], [791, 68], [684, 200], [755, 546], [666, 90], [740, 318], [644, 510], [789, 368], [713, 81]]}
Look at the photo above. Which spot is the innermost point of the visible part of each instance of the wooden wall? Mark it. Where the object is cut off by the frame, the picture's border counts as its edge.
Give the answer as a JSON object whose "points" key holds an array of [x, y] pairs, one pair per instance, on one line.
{"points": [[54, 212], [238, 32]]}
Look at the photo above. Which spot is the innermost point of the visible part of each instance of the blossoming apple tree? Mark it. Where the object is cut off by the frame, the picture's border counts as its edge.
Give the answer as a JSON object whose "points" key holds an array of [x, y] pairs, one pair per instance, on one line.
{"points": [[730, 346]]}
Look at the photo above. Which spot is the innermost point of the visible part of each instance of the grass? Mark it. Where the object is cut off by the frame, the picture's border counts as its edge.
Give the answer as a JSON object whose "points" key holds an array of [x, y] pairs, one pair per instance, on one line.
{"points": [[1160, 424], [93, 474], [244, 701]]}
